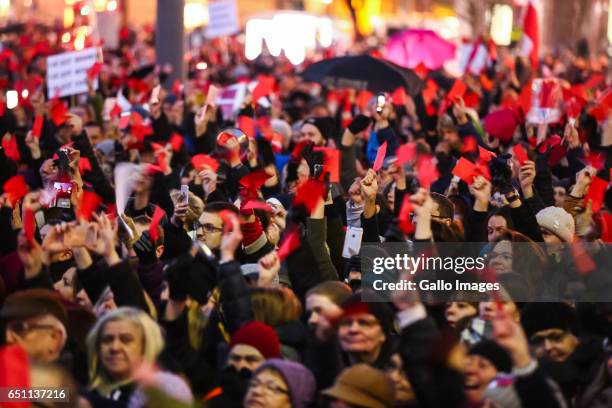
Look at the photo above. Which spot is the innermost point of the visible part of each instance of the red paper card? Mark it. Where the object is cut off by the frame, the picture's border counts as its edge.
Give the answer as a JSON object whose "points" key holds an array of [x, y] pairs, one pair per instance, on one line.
{"points": [[596, 192], [469, 144], [399, 97], [15, 188], [331, 163], [606, 227], [426, 171], [37, 127], [28, 225], [309, 193], [9, 144], [247, 125], [405, 222], [158, 214], [485, 155], [84, 164], [254, 180], [257, 205], [93, 72], [380, 157], [202, 161], [465, 170], [582, 260], [176, 141], [58, 112], [88, 204], [457, 90], [406, 153], [14, 372], [290, 244], [524, 101], [520, 153], [264, 87]]}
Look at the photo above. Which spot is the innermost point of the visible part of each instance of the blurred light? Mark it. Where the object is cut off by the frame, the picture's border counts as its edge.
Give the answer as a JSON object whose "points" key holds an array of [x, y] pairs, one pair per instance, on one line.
{"points": [[326, 1], [5, 6], [99, 5], [68, 17], [201, 66], [326, 32], [111, 5], [70, 2], [254, 32], [79, 42], [501, 24], [27, 3], [85, 10], [195, 15], [66, 37], [24, 94], [12, 99]]}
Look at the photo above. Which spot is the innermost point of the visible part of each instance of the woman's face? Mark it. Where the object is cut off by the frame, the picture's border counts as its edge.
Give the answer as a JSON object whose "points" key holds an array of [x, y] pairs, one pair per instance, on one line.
{"points": [[361, 333], [559, 196], [456, 311], [494, 226], [267, 390], [477, 374], [65, 286], [121, 348], [500, 258], [395, 372]]}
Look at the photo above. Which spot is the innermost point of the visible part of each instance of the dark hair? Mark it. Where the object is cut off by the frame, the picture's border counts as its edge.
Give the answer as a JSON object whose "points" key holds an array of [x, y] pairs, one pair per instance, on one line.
{"points": [[446, 233], [502, 212], [218, 206], [445, 206]]}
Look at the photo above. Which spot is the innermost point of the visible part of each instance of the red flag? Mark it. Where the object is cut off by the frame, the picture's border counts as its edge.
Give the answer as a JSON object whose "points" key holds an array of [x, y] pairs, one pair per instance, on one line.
{"points": [[596, 160], [596, 192], [88, 204], [380, 157], [405, 222], [2, 107], [15, 188], [457, 90], [290, 244], [28, 225], [176, 87], [530, 43], [309, 193], [37, 127], [176, 141], [201, 161], [158, 214], [465, 170], [520, 153]]}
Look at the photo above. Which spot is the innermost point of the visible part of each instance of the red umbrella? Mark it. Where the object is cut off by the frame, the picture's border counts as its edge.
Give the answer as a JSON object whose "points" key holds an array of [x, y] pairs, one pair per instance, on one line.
{"points": [[409, 48]]}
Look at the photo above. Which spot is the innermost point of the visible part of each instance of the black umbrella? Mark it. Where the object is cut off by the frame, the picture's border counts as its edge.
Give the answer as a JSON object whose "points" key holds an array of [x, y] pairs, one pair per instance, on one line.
{"points": [[362, 72]]}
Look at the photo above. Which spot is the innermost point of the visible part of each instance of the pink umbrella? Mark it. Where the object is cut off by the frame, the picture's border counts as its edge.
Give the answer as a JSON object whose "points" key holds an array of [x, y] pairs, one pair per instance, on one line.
{"points": [[411, 47]]}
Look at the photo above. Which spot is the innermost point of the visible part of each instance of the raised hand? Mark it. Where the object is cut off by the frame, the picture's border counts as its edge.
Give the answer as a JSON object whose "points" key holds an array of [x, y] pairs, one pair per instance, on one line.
{"points": [[481, 190], [527, 174], [510, 336], [209, 181], [75, 123], [232, 237], [31, 256], [33, 144], [105, 243], [269, 265]]}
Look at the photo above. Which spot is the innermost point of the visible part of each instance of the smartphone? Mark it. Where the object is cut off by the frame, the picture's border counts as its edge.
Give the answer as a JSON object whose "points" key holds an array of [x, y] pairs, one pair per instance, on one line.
{"points": [[155, 95], [185, 193], [63, 193], [318, 170], [12, 99], [381, 100]]}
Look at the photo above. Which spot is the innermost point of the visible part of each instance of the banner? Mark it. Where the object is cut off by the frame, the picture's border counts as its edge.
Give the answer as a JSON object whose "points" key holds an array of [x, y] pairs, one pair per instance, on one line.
{"points": [[67, 72], [222, 18]]}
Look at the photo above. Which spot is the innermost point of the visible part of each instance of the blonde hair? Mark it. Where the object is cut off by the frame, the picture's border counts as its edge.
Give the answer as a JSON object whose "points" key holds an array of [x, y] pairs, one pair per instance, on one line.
{"points": [[275, 306], [153, 343]]}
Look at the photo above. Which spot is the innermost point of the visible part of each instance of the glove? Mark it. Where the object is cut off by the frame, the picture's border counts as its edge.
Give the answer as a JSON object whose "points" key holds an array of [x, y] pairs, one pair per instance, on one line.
{"points": [[359, 124], [145, 250], [177, 275]]}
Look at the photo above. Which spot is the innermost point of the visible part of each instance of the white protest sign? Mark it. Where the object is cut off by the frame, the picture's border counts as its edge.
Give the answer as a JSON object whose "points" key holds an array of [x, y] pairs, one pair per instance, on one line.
{"points": [[230, 99], [67, 72], [222, 18]]}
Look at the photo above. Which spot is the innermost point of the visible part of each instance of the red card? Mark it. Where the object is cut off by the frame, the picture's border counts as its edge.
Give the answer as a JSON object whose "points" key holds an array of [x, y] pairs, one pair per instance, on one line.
{"points": [[14, 372], [176, 87], [594, 81], [9, 144], [525, 98], [15, 188], [158, 214], [331, 161], [363, 98], [84, 164], [606, 227], [469, 144], [176, 141], [406, 153], [247, 125], [405, 223], [426, 169], [28, 225], [37, 127], [596, 160], [465, 170], [116, 111], [485, 155], [264, 87], [201, 161], [520, 153], [380, 157], [227, 216], [93, 72], [58, 112], [152, 169], [582, 260], [88, 204], [399, 97], [257, 205], [596, 192], [290, 244], [457, 90], [309, 193], [2, 107], [254, 180]]}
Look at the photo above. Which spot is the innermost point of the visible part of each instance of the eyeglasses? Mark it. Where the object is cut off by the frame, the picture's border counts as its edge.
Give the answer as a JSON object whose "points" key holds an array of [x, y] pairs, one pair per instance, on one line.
{"points": [[268, 386], [23, 327], [210, 228]]}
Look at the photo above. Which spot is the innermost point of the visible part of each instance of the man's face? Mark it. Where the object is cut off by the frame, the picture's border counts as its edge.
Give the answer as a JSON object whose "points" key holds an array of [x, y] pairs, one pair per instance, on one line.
{"points": [[40, 337], [494, 226], [477, 374], [243, 356], [321, 309], [211, 230], [121, 348], [452, 138], [501, 257], [94, 133], [555, 344], [361, 333], [456, 311], [310, 132]]}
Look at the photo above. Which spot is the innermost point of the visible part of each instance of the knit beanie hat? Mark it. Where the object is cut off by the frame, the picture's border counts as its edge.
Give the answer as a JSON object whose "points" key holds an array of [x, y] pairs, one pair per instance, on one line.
{"points": [[325, 125], [494, 353], [299, 380], [558, 221], [259, 336], [540, 316], [171, 385], [383, 313]]}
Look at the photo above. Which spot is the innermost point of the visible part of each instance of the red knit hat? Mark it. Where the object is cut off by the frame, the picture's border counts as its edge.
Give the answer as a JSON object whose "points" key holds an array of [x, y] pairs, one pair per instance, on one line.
{"points": [[260, 336]]}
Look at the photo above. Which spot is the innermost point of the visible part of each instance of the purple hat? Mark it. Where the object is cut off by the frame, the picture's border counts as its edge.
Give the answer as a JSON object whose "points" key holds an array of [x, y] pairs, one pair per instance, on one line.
{"points": [[299, 380]]}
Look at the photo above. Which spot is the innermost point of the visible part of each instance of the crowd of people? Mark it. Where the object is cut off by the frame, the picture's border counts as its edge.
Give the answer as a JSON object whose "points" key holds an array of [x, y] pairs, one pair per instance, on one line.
{"points": [[151, 257]]}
